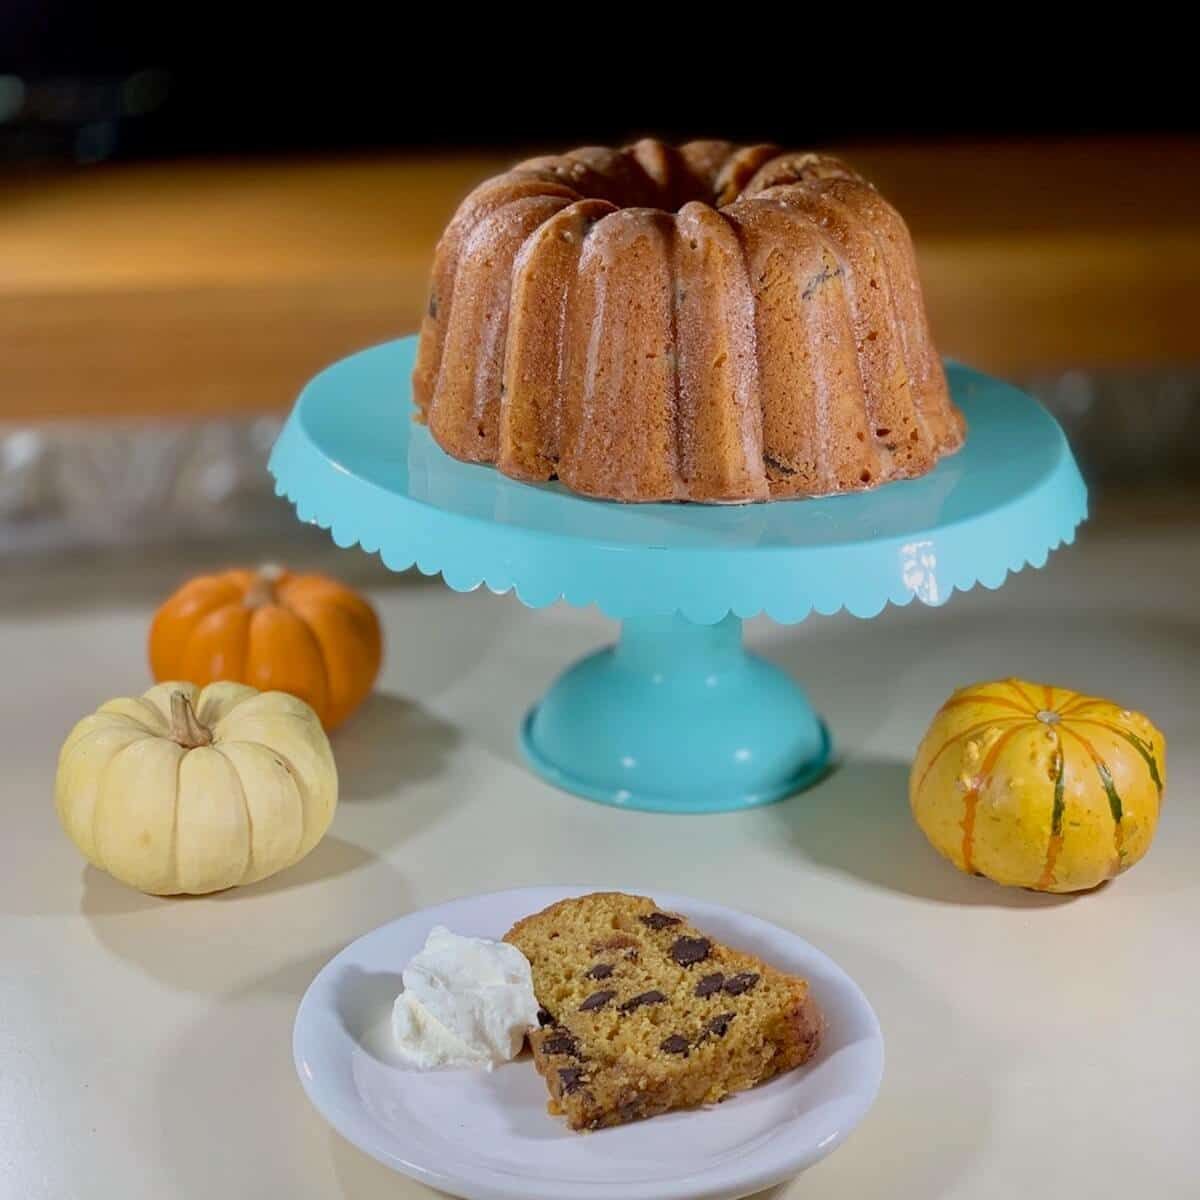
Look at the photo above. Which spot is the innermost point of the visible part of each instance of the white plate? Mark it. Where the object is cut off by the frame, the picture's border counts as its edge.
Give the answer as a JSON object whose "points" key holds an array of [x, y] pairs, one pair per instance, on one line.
{"points": [[488, 1136]]}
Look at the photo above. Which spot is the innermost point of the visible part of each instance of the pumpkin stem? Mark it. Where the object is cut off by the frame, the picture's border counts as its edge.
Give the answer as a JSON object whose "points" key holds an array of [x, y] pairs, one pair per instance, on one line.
{"points": [[186, 729], [262, 588]]}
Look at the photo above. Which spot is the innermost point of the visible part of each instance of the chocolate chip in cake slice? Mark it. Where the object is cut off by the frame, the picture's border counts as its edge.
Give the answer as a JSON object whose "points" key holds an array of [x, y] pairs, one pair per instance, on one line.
{"points": [[742, 982], [599, 971], [660, 920], [675, 1044], [561, 1043], [570, 1079], [544, 1018], [719, 1025], [710, 984], [651, 997], [596, 1000], [687, 951]]}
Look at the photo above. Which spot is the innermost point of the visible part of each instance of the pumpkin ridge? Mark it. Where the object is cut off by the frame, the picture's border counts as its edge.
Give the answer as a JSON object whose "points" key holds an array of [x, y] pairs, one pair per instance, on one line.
{"points": [[143, 722], [116, 721], [1146, 751], [968, 732], [313, 648], [1060, 786], [181, 655], [983, 698], [355, 608], [245, 656], [249, 820], [174, 853], [1106, 779], [311, 582], [99, 793], [1056, 819], [240, 578], [205, 608], [290, 771], [981, 781], [339, 702], [1015, 685], [237, 703], [1081, 703], [70, 748], [275, 716], [1116, 807], [1049, 692], [331, 594], [302, 792]]}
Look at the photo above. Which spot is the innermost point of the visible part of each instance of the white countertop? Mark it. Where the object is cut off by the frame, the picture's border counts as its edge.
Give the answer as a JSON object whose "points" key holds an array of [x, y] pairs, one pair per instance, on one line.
{"points": [[1036, 1046]]}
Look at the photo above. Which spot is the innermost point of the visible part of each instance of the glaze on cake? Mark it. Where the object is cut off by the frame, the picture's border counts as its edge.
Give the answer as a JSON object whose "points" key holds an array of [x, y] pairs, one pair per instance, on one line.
{"points": [[708, 323]]}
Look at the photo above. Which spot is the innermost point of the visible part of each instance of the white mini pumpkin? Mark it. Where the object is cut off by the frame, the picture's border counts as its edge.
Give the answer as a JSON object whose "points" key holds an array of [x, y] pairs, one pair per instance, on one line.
{"points": [[183, 790]]}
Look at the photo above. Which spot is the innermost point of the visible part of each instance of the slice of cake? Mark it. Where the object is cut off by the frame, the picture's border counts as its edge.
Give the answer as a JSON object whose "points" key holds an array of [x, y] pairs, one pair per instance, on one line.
{"points": [[642, 1013]]}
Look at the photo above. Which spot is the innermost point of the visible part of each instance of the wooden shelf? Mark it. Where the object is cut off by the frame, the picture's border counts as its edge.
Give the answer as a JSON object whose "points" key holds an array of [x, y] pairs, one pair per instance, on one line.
{"points": [[206, 288]]}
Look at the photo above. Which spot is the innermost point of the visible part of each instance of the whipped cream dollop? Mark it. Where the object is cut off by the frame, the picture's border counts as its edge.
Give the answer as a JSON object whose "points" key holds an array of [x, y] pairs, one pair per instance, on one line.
{"points": [[467, 1002]]}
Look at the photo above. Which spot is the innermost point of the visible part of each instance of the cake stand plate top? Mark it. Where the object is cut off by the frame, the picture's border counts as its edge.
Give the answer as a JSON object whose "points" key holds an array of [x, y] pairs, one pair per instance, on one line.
{"points": [[352, 460]]}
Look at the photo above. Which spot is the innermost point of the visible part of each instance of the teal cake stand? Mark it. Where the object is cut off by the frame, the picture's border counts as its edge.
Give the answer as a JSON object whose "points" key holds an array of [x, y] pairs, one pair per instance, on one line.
{"points": [[677, 716]]}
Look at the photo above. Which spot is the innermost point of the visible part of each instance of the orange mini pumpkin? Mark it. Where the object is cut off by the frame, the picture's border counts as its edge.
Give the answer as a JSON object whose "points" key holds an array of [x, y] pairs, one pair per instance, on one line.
{"points": [[304, 634]]}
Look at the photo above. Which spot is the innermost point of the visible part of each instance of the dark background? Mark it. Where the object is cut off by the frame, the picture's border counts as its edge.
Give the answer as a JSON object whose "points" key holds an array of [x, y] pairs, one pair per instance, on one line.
{"points": [[91, 82]]}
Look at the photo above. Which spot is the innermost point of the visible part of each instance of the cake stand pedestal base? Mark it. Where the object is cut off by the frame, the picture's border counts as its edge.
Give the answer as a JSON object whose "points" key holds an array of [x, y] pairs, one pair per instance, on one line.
{"points": [[677, 717]]}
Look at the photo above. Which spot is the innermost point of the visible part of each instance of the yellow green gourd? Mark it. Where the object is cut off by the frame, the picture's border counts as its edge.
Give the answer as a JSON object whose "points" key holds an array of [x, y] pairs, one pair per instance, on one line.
{"points": [[1038, 786]]}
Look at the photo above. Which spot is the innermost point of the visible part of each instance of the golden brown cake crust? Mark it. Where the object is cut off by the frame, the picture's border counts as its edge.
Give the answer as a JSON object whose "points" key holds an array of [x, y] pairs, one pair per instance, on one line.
{"points": [[707, 322], [643, 1013]]}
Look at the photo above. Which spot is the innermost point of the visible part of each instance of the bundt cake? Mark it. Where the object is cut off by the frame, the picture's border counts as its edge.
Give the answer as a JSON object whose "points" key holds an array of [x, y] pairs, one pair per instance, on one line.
{"points": [[709, 323]]}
